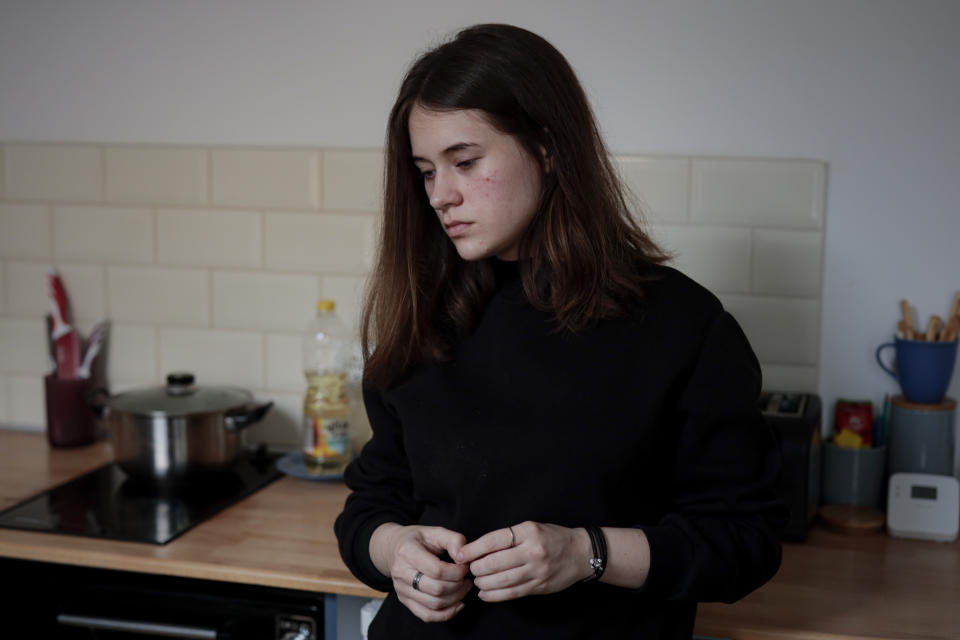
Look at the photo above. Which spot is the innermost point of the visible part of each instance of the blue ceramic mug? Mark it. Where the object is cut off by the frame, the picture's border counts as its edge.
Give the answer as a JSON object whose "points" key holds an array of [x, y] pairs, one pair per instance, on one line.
{"points": [[922, 368]]}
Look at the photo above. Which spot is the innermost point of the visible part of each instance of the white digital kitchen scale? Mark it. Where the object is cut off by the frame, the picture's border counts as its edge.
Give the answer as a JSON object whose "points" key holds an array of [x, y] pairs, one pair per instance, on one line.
{"points": [[924, 506]]}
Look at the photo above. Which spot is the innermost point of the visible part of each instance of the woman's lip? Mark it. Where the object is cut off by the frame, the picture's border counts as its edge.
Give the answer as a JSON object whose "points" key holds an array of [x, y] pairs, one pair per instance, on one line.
{"points": [[457, 229]]}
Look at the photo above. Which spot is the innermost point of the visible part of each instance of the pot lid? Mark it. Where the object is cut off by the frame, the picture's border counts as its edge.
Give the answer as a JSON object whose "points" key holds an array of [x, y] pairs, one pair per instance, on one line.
{"points": [[179, 397]]}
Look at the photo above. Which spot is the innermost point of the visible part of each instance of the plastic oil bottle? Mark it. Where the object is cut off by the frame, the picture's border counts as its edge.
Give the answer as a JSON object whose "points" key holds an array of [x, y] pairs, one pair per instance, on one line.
{"points": [[328, 364]]}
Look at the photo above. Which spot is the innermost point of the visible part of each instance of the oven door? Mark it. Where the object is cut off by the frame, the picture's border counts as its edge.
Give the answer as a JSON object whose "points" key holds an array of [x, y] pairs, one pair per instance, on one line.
{"points": [[75, 602]]}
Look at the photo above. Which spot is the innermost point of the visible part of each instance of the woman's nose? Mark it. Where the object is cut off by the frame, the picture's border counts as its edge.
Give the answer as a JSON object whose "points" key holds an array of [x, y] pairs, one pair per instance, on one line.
{"points": [[444, 192]]}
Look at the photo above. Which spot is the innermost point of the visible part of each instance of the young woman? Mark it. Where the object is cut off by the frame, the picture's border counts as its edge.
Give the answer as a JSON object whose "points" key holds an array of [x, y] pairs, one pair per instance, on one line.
{"points": [[565, 435]]}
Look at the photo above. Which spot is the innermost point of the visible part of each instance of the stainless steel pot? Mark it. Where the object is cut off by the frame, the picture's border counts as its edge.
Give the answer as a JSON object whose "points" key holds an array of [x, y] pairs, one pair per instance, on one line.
{"points": [[180, 431]]}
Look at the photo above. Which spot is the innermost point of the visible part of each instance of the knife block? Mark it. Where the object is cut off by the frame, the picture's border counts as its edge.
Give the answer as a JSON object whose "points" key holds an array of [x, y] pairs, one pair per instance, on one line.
{"points": [[70, 420]]}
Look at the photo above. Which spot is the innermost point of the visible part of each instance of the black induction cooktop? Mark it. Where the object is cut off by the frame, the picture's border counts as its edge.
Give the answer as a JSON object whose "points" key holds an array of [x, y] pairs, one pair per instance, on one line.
{"points": [[107, 503]]}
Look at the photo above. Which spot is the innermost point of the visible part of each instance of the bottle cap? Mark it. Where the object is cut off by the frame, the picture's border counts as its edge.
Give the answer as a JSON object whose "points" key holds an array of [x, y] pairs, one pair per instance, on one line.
{"points": [[325, 305]]}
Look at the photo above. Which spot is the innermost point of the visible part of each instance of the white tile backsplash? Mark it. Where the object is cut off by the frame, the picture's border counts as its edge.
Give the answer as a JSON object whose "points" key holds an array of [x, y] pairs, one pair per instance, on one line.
{"points": [[660, 185], [768, 193], [23, 346], [781, 330], [107, 235], [352, 180], [64, 173], [787, 262], [338, 243], [347, 292], [209, 238], [214, 356], [263, 301], [86, 285], [132, 355], [159, 296], [266, 178], [26, 231], [27, 288], [716, 257], [782, 377], [26, 402], [212, 258], [285, 362], [157, 175]]}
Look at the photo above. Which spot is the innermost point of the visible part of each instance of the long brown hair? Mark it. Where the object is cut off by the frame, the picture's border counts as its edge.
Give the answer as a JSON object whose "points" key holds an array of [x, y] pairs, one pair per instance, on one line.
{"points": [[582, 256]]}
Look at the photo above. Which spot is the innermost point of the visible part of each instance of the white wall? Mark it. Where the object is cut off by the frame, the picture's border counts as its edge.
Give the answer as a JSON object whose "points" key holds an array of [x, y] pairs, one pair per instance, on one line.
{"points": [[872, 87]]}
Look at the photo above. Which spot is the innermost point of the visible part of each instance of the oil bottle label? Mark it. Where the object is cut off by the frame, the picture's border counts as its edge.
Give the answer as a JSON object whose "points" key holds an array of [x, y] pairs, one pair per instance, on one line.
{"points": [[326, 437]]}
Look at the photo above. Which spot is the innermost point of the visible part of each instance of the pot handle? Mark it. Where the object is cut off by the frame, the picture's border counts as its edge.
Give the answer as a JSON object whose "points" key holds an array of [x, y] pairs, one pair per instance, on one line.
{"points": [[246, 416], [95, 400]]}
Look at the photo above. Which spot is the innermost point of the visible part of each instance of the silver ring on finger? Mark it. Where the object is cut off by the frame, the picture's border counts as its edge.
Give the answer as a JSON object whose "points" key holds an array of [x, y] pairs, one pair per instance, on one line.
{"points": [[416, 580], [513, 537]]}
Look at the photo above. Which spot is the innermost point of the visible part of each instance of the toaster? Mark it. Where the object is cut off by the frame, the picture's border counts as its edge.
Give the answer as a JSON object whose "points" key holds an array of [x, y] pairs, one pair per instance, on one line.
{"points": [[796, 418]]}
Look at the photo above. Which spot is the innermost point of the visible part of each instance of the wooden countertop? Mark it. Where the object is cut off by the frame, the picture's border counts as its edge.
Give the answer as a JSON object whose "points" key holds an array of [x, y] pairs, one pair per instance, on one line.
{"points": [[830, 587], [280, 536]]}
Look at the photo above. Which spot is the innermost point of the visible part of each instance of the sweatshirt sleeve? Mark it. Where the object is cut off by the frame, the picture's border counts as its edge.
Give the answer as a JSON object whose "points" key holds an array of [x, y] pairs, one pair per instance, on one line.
{"points": [[382, 491], [719, 540]]}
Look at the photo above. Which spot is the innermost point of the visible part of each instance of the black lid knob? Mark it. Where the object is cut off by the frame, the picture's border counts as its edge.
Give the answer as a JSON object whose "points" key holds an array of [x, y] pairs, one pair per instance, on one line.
{"points": [[180, 378]]}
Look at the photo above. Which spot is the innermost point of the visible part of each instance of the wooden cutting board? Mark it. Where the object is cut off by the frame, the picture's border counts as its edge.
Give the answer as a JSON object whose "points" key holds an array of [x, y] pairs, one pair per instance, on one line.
{"points": [[852, 519]]}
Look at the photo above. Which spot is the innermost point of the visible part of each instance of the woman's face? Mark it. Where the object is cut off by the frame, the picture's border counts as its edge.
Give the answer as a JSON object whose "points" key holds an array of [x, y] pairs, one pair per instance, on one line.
{"points": [[482, 183]]}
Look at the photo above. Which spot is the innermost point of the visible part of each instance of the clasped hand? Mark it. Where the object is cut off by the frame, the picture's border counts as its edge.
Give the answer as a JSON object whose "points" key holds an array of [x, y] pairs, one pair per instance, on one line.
{"points": [[525, 559]]}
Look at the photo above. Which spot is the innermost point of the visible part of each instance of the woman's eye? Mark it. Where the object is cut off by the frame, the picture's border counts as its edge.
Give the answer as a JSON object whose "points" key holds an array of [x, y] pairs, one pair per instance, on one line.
{"points": [[427, 175], [466, 164]]}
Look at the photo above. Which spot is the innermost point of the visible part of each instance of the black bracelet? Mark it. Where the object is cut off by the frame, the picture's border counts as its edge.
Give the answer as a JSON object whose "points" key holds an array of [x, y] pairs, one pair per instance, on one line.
{"points": [[599, 560]]}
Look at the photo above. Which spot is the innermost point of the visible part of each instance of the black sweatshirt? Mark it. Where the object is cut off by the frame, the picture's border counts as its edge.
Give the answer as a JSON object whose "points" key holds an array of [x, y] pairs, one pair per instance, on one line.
{"points": [[646, 421]]}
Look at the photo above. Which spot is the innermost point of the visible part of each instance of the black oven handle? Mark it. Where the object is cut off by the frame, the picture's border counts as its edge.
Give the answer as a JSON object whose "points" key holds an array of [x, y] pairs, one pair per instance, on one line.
{"points": [[134, 626]]}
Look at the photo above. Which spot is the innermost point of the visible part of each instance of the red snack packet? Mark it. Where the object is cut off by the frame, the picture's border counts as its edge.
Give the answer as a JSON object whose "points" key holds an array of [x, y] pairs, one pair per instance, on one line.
{"points": [[855, 416]]}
